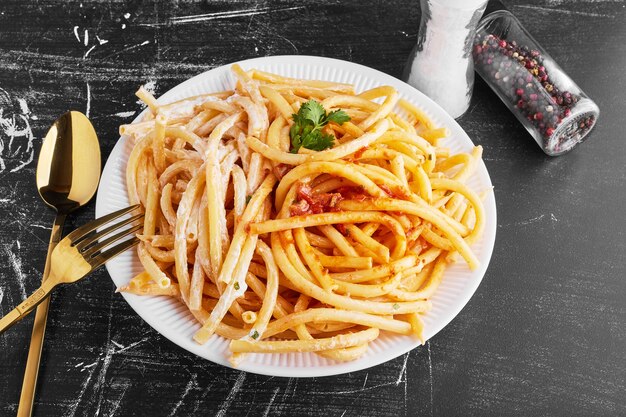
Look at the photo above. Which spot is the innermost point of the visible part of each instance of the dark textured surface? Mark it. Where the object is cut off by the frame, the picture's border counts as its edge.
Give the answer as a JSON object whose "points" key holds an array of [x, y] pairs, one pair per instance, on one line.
{"points": [[545, 334]]}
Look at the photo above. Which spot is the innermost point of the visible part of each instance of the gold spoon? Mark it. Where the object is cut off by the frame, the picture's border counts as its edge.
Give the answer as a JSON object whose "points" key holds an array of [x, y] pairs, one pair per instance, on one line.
{"points": [[68, 172]]}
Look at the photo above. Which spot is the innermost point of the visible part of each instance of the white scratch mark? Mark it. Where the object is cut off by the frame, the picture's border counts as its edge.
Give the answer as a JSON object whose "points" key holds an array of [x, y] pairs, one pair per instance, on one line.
{"points": [[97, 386], [83, 388], [290, 43], [553, 217], [358, 390], [88, 109], [78, 364], [533, 220], [344, 413], [23, 106], [525, 222], [86, 40], [19, 245], [128, 48], [89, 51], [223, 15], [91, 365], [14, 125], [365, 380], [231, 395], [116, 406], [16, 263], [101, 41], [126, 16], [125, 114], [190, 385], [570, 12], [41, 226], [430, 374], [123, 25], [117, 344], [76, 33], [269, 406], [403, 370], [295, 387], [132, 345], [1, 295]]}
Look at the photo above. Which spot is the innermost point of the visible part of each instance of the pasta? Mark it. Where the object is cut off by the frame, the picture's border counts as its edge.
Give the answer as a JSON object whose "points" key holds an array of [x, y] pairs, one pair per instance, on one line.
{"points": [[285, 248]]}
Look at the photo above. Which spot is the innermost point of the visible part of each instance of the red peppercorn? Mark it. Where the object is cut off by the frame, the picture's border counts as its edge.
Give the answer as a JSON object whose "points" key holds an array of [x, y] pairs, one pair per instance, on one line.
{"points": [[538, 116], [567, 112], [519, 91], [502, 43], [549, 131]]}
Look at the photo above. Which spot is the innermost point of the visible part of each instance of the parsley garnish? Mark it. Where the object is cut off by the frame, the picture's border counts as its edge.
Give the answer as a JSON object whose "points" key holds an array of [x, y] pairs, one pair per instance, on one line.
{"points": [[248, 198], [396, 306], [308, 123], [236, 285], [254, 335]]}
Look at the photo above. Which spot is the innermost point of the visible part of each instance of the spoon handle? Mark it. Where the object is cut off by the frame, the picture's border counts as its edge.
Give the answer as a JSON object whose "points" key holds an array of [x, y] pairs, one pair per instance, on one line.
{"points": [[39, 329]]}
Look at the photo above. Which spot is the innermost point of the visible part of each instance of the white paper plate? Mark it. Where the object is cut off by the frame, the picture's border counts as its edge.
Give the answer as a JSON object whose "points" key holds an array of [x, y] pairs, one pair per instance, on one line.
{"points": [[170, 318]]}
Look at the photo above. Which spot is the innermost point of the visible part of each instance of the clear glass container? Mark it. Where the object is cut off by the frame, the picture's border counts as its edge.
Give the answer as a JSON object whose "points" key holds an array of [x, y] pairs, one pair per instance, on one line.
{"points": [[554, 110], [440, 65]]}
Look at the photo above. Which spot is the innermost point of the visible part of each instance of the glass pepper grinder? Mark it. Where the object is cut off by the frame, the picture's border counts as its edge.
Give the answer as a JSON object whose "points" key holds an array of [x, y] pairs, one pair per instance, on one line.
{"points": [[554, 110], [440, 65]]}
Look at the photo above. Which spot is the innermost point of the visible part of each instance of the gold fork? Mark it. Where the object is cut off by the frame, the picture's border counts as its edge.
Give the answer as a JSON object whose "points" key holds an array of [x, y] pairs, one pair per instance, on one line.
{"points": [[81, 252]]}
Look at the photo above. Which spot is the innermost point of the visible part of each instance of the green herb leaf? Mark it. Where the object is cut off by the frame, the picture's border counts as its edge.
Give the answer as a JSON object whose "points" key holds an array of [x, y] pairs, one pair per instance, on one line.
{"points": [[248, 198], [308, 123], [396, 306], [318, 141], [337, 116], [236, 286], [313, 111], [254, 335]]}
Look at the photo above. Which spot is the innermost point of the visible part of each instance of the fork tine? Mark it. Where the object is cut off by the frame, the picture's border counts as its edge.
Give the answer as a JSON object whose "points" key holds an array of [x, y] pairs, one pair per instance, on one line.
{"points": [[84, 243], [106, 242], [110, 253], [82, 231]]}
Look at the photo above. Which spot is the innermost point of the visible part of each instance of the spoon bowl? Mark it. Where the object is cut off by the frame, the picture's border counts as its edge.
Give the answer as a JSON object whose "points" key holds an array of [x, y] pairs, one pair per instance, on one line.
{"points": [[68, 170]]}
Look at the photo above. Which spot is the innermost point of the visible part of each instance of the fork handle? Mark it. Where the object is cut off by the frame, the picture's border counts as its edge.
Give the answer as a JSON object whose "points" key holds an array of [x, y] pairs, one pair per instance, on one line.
{"points": [[31, 372], [27, 305]]}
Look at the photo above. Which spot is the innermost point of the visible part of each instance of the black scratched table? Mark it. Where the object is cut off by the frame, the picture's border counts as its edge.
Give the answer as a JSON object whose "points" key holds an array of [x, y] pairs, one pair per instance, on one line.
{"points": [[545, 334]]}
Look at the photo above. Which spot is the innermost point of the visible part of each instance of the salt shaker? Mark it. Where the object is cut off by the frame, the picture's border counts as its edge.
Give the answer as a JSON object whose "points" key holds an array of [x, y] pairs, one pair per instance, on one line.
{"points": [[554, 110], [441, 64]]}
